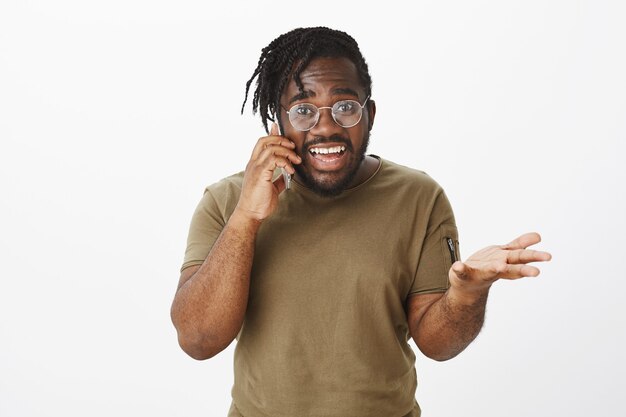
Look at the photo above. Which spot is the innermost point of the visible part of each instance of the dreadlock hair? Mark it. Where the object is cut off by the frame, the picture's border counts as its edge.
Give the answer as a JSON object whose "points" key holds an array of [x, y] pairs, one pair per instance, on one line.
{"points": [[300, 45]]}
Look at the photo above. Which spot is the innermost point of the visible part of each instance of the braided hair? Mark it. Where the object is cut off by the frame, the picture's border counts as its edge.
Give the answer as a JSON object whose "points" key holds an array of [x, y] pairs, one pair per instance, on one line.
{"points": [[299, 46]]}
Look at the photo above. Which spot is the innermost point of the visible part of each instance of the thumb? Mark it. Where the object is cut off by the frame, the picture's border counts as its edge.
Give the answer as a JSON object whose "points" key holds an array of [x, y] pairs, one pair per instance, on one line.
{"points": [[274, 129], [461, 270]]}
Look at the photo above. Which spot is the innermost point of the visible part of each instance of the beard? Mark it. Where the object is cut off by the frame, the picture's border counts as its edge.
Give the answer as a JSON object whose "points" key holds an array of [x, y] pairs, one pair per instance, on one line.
{"points": [[334, 183]]}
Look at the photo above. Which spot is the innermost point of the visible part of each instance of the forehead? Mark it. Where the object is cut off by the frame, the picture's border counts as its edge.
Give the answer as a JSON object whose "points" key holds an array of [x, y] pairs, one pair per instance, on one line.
{"points": [[326, 76]]}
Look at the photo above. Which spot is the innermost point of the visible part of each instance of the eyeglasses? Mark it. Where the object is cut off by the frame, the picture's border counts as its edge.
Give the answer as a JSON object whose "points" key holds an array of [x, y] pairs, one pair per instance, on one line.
{"points": [[346, 113]]}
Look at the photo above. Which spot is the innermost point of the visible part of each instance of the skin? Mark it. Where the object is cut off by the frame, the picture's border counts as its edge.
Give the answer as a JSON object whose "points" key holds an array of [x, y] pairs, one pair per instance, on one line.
{"points": [[326, 81], [443, 325], [209, 306]]}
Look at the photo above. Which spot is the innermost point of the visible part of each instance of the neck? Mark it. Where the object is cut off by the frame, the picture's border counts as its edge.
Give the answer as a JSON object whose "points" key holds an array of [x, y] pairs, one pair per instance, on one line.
{"points": [[368, 167]]}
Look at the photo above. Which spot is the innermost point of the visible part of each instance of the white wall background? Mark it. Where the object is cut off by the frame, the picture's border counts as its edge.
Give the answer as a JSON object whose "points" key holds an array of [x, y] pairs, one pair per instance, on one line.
{"points": [[114, 116]]}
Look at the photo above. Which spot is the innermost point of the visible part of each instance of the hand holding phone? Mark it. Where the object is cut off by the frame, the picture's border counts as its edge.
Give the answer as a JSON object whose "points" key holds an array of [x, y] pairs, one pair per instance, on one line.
{"points": [[286, 175], [260, 188]]}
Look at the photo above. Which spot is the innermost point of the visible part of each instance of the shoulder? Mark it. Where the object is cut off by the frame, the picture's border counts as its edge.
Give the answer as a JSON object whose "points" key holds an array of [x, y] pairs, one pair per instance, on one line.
{"points": [[405, 178], [220, 198], [413, 190], [226, 187]]}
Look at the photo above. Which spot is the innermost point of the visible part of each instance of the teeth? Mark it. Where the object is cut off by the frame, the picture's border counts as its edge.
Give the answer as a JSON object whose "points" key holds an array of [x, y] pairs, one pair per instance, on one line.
{"points": [[325, 151]]}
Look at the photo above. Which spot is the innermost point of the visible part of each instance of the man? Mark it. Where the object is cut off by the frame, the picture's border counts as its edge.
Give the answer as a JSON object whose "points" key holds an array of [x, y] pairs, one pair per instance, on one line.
{"points": [[322, 284]]}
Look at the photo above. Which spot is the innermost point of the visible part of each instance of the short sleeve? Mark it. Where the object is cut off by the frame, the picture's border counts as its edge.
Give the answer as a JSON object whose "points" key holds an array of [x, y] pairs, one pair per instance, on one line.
{"points": [[206, 225], [440, 249]]}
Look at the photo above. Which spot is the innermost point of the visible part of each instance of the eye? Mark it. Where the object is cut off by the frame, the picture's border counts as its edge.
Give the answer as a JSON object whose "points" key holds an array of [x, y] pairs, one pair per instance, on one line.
{"points": [[344, 107], [303, 111]]}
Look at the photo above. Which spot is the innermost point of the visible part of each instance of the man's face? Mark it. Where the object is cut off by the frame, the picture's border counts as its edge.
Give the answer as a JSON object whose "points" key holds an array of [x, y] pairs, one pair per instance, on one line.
{"points": [[326, 81]]}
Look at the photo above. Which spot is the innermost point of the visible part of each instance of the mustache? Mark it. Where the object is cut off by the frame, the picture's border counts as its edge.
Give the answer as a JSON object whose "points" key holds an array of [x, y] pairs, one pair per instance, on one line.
{"points": [[321, 140]]}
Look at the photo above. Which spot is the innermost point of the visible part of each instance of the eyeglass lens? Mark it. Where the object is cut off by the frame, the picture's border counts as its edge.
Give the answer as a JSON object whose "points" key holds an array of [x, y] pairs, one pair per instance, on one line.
{"points": [[305, 116]]}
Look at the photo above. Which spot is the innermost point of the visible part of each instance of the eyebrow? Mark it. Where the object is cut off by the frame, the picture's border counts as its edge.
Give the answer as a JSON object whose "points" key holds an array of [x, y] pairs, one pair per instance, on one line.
{"points": [[337, 91], [300, 96]]}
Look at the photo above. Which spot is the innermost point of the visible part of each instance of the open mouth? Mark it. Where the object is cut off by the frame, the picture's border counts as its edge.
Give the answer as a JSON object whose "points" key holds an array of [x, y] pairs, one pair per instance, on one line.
{"points": [[327, 153], [328, 157]]}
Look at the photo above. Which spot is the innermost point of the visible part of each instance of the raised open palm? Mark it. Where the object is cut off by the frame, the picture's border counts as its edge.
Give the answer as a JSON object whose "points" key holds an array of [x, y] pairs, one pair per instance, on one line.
{"points": [[508, 261]]}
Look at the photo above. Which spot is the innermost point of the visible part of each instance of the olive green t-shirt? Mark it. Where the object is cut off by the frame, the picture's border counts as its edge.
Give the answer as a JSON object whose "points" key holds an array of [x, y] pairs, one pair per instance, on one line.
{"points": [[325, 331]]}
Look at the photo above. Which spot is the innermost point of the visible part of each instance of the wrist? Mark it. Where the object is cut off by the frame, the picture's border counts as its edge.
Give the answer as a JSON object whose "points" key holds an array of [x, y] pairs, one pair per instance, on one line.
{"points": [[244, 219], [468, 296]]}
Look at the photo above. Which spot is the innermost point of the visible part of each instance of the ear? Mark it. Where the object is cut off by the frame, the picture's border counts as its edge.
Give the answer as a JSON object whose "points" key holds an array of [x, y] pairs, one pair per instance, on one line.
{"points": [[371, 113]]}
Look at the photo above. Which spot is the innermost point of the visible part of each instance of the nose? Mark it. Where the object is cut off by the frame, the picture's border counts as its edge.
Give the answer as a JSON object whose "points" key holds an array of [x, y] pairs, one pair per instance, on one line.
{"points": [[326, 125]]}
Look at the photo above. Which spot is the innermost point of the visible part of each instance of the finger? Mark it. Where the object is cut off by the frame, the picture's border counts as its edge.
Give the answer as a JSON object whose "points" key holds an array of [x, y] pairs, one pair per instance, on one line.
{"points": [[283, 153], [523, 241], [524, 256], [280, 162], [280, 183], [274, 129], [267, 141], [519, 271], [276, 152], [467, 273], [487, 272], [264, 166]]}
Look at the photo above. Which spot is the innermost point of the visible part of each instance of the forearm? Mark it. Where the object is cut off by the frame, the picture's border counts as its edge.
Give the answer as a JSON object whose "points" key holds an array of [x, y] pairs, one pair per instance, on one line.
{"points": [[451, 323], [209, 308]]}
